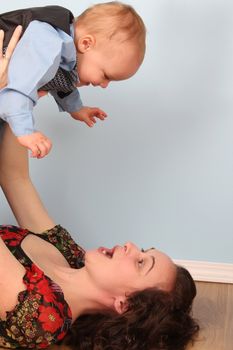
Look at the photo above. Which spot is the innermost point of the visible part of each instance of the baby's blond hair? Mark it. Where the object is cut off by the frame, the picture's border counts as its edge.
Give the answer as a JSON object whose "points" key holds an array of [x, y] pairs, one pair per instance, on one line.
{"points": [[114, 20]]}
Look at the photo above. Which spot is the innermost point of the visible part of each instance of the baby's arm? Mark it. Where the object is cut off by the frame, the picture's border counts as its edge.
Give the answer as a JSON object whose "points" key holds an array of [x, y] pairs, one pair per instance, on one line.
{"points": [[31, 66], [73, 105], [18, 188]]}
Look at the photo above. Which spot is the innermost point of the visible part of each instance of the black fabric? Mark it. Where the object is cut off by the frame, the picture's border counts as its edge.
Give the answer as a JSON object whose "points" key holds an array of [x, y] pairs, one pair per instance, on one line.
{"points": [[56, 16]]}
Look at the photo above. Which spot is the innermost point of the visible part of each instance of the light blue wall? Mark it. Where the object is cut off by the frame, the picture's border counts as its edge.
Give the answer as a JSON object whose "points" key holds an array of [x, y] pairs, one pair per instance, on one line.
{"points": [[159, 171]]}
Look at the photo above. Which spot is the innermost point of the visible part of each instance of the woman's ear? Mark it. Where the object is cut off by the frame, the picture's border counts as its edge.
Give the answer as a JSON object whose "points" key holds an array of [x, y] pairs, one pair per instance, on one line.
{"points": [[120, 305], [86, 42]]}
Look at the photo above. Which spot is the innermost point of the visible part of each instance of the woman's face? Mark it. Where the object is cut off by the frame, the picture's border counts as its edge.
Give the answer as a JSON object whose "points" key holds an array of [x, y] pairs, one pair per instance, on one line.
{"points": [[126, 269]]}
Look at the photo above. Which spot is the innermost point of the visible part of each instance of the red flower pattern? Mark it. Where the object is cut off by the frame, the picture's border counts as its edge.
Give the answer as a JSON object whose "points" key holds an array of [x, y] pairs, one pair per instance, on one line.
{"points": [[13, 238], [49, 318], [42, 311]]}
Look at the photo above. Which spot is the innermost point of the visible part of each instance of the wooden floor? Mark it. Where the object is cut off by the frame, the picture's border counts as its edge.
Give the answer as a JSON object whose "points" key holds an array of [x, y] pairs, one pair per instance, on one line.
{"points": [[213, 308]]}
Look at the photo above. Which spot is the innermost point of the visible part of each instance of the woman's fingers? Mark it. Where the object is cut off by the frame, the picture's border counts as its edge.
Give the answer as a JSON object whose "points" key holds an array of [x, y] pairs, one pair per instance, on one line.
{"points": [[13, 42], [1, 43], [5, 57]]}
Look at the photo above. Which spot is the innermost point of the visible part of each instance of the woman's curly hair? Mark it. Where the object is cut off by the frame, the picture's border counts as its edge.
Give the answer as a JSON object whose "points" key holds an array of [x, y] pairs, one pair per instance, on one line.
{"points": [[155, 320]]}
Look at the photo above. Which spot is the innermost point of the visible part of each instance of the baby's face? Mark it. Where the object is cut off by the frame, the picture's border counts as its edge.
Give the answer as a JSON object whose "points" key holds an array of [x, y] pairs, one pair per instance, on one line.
{"points": [[108, 61]]}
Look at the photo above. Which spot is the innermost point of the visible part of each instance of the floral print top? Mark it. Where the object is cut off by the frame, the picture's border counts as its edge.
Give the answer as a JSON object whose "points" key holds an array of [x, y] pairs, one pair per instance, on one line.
{"points": [[42, 316]]}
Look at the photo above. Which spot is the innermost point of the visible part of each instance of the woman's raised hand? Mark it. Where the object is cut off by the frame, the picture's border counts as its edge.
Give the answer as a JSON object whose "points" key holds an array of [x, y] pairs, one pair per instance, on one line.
{"points": [[5, 58]]}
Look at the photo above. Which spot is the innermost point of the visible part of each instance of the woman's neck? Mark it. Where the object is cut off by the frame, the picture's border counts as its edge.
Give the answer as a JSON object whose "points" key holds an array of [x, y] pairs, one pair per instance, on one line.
{"points": [[80, 293]]}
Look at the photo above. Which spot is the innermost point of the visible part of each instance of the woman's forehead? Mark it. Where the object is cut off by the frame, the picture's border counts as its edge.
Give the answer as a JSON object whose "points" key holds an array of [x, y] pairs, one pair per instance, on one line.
{"points": [[163, 257]]}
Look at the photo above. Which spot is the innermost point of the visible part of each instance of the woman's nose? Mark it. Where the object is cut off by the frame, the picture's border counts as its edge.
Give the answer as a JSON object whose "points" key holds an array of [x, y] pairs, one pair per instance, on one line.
{"points": [[129, 247]]}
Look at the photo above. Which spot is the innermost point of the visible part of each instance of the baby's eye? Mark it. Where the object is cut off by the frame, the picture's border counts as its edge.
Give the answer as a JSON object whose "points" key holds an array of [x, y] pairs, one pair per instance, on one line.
{"points": [[141, 262], [142, 250]]}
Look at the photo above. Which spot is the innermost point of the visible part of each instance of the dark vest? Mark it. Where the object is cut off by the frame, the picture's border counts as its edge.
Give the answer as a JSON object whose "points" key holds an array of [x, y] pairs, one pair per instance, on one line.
{"points": [[57, 16], [64, 82]]}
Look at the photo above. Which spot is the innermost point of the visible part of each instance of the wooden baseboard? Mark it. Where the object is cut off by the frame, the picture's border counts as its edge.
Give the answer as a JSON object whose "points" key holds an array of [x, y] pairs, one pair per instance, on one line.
{"points": [[208, 271]]}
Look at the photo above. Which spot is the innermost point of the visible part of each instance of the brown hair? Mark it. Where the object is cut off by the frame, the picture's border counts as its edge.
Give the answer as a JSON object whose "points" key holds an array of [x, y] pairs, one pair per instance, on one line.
{"points": [[155, 320], [115, 20]]}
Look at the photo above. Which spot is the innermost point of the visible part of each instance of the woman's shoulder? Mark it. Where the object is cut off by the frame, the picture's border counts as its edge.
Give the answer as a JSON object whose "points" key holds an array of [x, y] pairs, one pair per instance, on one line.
{"points": [[12, 235], [64, 242]]}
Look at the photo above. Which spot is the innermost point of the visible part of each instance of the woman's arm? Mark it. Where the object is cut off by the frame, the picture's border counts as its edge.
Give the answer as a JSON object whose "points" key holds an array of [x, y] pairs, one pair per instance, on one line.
{"points": [[18, 188], [5, 59]]}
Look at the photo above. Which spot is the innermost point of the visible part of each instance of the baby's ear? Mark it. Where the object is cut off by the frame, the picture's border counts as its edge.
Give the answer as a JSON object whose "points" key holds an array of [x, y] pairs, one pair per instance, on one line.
{"points": [[86, 42], [121, 304]]}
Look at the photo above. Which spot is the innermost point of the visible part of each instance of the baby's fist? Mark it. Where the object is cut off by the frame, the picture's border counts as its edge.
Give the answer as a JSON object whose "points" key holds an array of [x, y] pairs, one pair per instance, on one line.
{"points": [[37, 143]]}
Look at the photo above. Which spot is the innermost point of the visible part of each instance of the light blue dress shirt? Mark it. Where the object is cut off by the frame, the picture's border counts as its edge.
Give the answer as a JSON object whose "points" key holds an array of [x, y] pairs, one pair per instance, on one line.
{"points": [[39, 53]]}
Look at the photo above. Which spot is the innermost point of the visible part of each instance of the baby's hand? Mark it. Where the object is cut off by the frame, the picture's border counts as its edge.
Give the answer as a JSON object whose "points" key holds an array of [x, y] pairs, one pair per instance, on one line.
{"points": [[88, 115], [37, 143]]}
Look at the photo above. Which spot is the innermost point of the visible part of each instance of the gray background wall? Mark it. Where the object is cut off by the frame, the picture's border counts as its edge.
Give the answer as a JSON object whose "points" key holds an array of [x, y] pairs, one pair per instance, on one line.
{"points": [[159, 171]]}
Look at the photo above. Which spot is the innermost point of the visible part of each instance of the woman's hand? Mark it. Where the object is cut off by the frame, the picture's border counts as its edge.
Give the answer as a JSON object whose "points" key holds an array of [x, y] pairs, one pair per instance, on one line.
{"points": [[5, 58]]}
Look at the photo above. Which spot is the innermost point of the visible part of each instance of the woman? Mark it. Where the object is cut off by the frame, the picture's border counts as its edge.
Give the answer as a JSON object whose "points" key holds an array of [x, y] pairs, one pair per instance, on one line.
{"points": [[119, 298]]}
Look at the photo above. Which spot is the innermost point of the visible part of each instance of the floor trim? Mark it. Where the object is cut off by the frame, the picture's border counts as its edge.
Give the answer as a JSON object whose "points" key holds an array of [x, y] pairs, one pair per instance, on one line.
{"points": [[208, 271]]}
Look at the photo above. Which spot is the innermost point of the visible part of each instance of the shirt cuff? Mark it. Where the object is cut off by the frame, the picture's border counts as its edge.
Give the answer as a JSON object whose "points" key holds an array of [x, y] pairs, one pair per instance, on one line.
{"points": [[22, 124], [70, 103]]}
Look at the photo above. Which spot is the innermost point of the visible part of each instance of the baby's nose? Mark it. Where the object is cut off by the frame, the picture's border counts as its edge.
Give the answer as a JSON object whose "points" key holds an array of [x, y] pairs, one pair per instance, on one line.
{"points": [[104, 84]]}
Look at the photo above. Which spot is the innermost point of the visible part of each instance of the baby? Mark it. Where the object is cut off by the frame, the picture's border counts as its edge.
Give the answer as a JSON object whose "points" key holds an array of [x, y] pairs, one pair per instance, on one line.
{"points": [[58, 54]]}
